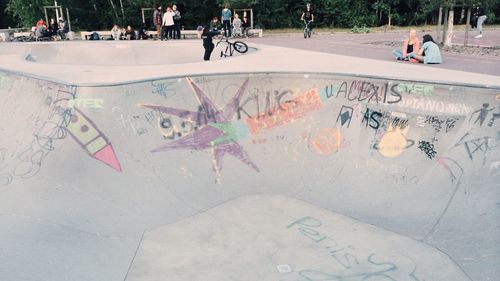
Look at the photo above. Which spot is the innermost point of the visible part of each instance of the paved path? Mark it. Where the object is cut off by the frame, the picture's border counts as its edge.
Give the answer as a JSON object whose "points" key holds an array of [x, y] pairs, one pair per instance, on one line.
{"points": [[369, 46]]}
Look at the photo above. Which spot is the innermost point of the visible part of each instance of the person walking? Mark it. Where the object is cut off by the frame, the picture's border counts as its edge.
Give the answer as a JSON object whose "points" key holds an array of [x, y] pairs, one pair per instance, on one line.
{"points": [[177, 22], [481, 14], [226, 20], [157, 21], [168, 24]]}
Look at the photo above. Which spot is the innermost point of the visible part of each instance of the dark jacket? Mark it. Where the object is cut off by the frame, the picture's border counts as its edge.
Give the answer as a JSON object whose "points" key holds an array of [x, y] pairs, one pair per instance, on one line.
{"points": [[207, 38]]}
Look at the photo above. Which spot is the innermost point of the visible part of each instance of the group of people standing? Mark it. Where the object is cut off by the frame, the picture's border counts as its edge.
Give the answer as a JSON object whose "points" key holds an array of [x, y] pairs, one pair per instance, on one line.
{"points": [[168, 24], [232, 26]]}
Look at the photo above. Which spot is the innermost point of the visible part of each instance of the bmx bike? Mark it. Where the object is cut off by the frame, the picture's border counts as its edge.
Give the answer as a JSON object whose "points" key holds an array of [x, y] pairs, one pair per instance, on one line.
{"points": [[237, 46], [307, 29]]}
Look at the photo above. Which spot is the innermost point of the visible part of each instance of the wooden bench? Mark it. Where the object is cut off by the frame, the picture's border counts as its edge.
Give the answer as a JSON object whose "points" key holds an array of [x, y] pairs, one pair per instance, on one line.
{"points": [[21, 34], [184, 33], [152, 33], [258, 32]]}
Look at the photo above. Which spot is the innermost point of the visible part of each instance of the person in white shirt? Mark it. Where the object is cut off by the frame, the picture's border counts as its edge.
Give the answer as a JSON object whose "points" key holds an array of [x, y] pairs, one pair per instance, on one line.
{"points": [[237, 32], [168, 24]]}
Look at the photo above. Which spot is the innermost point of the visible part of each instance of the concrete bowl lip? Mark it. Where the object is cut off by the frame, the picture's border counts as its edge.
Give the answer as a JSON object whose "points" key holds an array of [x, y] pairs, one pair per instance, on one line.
{"points": [[134, 46], [267, 59], [239, 74]]}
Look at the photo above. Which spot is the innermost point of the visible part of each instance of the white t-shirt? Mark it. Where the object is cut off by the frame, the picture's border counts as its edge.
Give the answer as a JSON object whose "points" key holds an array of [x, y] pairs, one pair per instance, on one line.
{"points": [[168, 18]]}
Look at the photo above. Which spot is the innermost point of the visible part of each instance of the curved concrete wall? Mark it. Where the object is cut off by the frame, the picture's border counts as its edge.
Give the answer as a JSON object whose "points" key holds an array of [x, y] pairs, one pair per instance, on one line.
{"points": [[114, 53], [86, 171]]}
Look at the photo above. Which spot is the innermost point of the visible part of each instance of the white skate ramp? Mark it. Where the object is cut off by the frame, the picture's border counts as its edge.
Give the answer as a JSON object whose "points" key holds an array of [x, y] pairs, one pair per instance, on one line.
{"points": [[247, 176]]}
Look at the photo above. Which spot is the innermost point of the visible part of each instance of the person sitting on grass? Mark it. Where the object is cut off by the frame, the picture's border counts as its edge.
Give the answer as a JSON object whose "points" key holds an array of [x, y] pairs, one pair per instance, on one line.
{"points": [[410, 44], [429, 53]]}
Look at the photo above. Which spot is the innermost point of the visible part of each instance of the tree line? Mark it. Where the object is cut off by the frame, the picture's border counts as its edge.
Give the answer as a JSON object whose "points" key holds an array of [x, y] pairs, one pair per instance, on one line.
{"points": [[268, 14]]}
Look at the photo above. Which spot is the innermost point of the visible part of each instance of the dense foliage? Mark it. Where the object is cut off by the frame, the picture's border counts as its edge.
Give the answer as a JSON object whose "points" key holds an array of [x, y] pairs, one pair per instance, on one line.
{"points": [[102, 14]]}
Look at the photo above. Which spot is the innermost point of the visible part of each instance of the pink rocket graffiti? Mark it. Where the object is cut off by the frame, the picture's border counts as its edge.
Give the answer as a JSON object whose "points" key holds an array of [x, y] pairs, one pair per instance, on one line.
{"points": [[92, 140]]}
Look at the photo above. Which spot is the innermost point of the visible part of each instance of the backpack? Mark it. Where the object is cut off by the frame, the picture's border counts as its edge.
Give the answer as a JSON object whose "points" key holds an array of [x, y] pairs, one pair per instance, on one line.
{"points": [[94, 36]]}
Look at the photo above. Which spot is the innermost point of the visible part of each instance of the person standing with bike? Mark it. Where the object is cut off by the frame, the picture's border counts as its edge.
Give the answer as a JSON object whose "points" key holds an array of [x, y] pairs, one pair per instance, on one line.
{"points": [[207, 36], [308, 17]]}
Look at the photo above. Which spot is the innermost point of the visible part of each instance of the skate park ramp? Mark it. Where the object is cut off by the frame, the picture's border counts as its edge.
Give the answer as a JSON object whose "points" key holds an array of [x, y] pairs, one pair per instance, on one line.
{"points": [[249, 175]]}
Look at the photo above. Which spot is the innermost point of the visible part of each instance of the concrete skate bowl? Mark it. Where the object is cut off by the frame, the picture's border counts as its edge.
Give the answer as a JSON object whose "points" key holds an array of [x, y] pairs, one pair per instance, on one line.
{"points": [[262, 176], [116, 53]]}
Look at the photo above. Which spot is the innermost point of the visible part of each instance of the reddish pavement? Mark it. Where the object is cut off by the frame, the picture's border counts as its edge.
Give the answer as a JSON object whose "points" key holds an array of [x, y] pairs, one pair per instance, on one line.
{"points": [[371, 46]]}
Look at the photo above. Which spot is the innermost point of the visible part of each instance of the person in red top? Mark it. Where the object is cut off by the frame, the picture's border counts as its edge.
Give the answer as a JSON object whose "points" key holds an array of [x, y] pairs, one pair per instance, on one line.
{"points": [[41, 22], [410, 45]]}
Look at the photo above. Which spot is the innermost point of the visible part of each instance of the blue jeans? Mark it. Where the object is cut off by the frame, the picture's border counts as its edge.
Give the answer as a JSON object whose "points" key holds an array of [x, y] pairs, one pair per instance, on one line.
{"points": [[397, 54]]}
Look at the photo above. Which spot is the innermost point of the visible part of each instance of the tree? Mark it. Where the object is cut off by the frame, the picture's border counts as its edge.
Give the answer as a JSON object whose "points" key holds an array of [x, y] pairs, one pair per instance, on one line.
{"points": [[26, 12], [387, 7], [102, 14]]}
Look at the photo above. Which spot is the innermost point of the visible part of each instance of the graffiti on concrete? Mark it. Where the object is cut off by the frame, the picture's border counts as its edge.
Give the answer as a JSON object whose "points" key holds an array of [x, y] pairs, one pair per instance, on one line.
{"points": [[351, 264], [365, 91], [86, 103], [394, 142], [326, 142], [482, 113], [434, 105], [454, 169], [440, 123], [345, 116], [494, 117], [165, 90], [264, 104], [91, 139], [29, 160], [415, 89], [287, 113], [478, 146], [427, 148], [219, 135]]}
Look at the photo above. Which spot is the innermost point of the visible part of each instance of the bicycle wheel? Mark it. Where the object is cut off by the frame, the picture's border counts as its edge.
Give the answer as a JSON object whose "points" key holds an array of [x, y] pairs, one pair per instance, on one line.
{"points": [[305, 32], [240, 47]]}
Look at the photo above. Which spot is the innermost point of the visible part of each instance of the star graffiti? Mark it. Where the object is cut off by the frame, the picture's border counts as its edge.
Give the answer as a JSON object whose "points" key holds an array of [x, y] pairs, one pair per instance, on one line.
{"points": [[216, 133]]}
